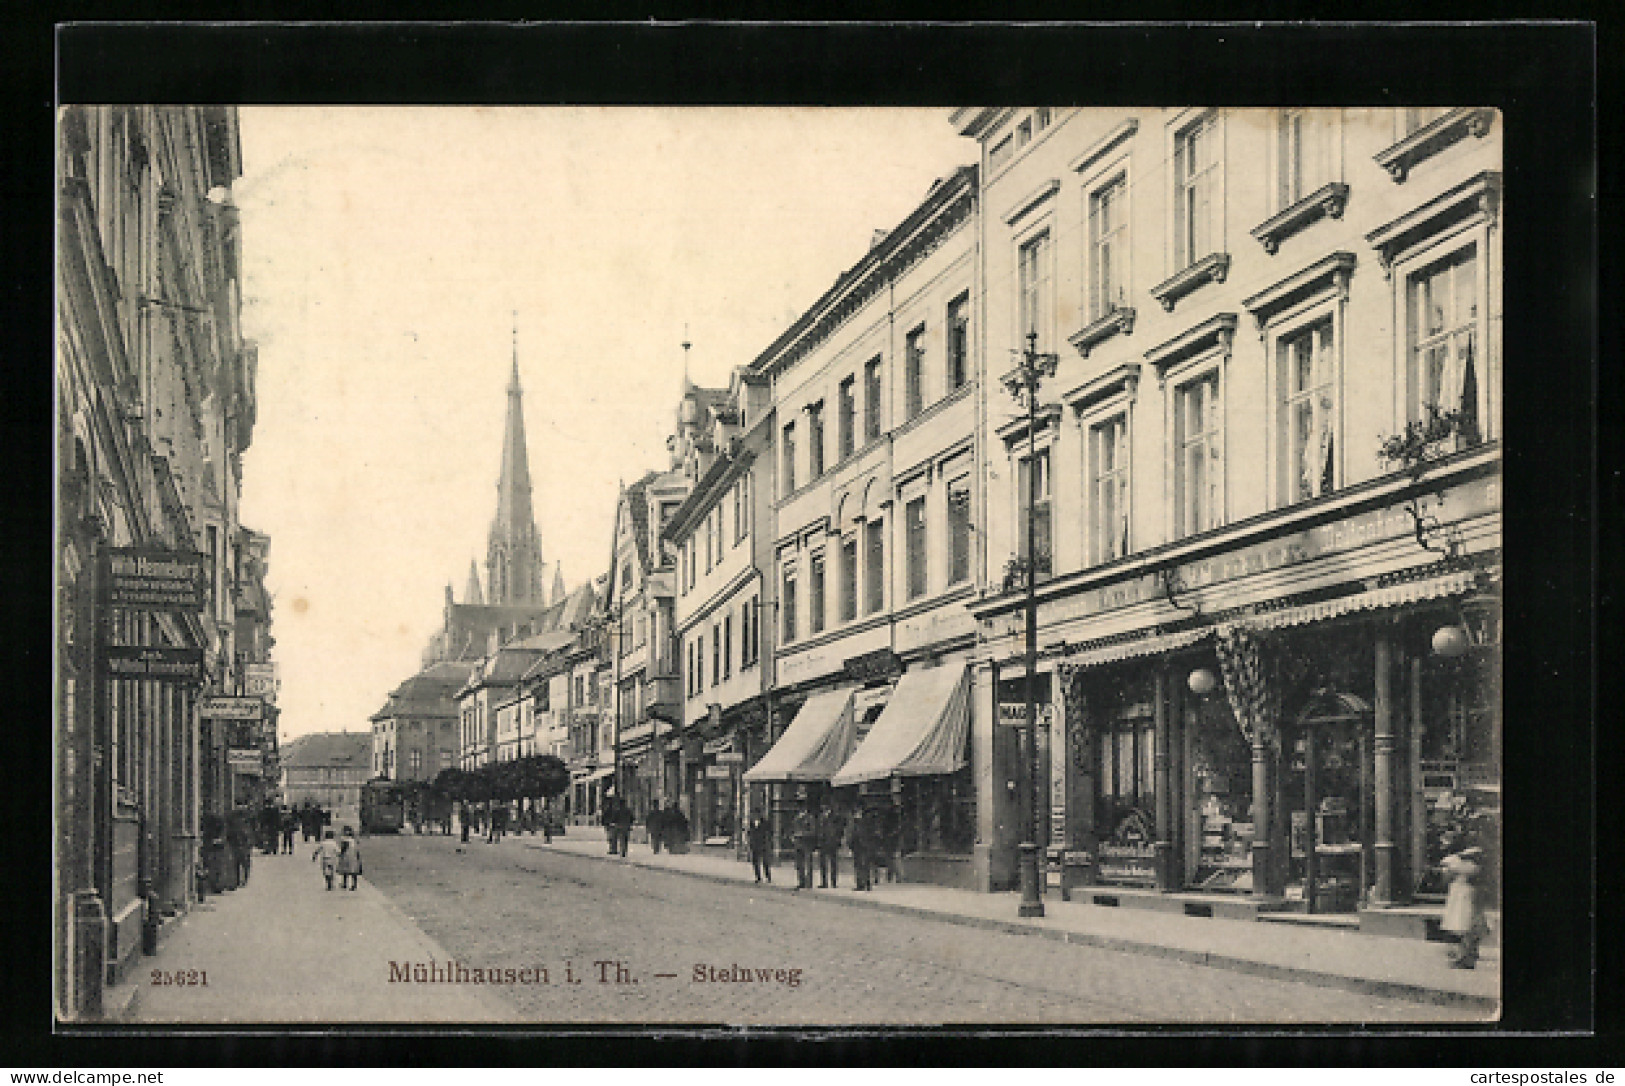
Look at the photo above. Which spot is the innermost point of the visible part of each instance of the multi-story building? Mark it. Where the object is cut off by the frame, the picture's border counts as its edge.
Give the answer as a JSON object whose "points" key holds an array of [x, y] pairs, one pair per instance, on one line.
{"points": [[1270, 648], [415, 733], [874, 391], [252, 783], [155, 405], [639, 643], [723, 540], [328, 770]]}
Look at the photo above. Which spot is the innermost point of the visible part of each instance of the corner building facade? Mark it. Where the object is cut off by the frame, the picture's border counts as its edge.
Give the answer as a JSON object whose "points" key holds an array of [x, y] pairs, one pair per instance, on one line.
{"points": [[1269, 653]]}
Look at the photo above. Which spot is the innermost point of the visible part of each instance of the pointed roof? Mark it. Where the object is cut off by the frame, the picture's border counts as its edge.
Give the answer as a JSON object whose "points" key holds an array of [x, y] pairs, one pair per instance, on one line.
{"points": [[559, 591], [471, 594], [513, 486]]}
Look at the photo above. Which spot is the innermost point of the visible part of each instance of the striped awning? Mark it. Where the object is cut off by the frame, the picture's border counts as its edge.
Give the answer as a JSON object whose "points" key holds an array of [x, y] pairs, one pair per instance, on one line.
{"points": [[921, 732], [1398, 595], [1140, 646], [815, 744]]}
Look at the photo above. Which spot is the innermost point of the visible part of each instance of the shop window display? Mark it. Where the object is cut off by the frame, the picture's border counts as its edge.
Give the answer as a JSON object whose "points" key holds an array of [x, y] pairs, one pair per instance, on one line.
{"points": [[1220, 829], [1458, 759], [1125, 799]]}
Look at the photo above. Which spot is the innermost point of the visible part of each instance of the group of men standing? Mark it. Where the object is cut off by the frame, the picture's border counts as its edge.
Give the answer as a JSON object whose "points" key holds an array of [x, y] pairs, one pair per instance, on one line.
{"points": [[277, 825], [819, 836]]}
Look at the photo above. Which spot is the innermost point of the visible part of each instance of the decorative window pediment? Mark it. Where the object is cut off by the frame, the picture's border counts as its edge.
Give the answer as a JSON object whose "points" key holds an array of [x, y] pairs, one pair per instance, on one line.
{"points": [[1329, 274], [1119, 380], [1218, 331], [1016, 429], [1210, 269], [1478, 195], [1328, 201], [1031, 200], [1105, 145], [1097, 332], [1427, 141]]}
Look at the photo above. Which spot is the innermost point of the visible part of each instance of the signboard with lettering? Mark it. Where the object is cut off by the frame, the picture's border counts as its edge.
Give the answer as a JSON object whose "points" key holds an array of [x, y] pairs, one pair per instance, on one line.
{"points": [[730, 757], [229, 708], [718, 773], [259, 680], [148, 579], [879, 664], [162, 663], [1014, 714], [251, 762]]}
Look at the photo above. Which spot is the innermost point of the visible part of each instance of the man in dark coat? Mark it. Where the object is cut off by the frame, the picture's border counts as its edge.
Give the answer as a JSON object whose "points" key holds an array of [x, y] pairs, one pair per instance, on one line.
{"points": [[759, 839], [804, 836], [830, 832], [863, 848], [240, 840], [676, 830], [657, 826]]}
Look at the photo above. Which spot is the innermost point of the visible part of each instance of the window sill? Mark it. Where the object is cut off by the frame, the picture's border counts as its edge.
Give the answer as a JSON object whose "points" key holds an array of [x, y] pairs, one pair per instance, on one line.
{"points": [[1097, 332], [1430, 139], [1212, 268], [1328, 201]]}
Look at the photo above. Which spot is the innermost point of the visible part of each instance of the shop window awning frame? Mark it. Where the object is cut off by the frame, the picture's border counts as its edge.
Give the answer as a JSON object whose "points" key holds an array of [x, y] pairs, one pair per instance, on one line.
{"points": [[815, 745], [922, 732]]}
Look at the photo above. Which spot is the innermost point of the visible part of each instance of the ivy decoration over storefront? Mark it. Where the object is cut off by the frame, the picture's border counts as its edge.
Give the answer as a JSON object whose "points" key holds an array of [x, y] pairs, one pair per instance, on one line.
{"points": [[1074, 703], [1253, 697]]}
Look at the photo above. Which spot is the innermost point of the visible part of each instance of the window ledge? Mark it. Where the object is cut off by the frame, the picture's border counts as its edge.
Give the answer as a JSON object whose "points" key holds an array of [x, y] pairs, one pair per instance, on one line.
{"points": [[1097, 332], [1212, 268], [1328, 201], [1434, 137]]}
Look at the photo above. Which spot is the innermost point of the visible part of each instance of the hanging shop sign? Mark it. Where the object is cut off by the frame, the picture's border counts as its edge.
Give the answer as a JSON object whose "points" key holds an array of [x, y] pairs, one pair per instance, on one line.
{"points": [[730, 757], [873, 666], [230, 708], [250, 762], [150, 579], [163, 663], [718, 773]]}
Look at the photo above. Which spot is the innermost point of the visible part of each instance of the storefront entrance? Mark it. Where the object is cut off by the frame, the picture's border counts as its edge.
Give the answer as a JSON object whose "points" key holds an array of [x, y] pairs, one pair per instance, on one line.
{"points": [[1326, 793]]}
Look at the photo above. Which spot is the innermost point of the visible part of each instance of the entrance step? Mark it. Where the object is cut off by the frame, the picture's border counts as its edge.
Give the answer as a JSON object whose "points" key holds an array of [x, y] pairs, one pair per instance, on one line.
{"points": [[1214, 906], [1341, 921]]}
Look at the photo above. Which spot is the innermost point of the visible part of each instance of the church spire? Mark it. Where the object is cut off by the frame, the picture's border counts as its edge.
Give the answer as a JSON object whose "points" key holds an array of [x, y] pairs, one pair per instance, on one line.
{"points": [[559, 592], [513, 565], [471, 594]]}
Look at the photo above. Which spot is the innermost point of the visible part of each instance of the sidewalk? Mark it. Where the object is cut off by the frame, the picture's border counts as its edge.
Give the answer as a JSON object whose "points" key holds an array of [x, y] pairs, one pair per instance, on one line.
{"points": [[1395, 968], [283, 949]]}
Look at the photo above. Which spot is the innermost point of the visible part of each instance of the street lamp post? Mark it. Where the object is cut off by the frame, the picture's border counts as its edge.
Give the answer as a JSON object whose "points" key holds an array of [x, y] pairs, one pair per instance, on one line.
{"points": [[1022, 383]]}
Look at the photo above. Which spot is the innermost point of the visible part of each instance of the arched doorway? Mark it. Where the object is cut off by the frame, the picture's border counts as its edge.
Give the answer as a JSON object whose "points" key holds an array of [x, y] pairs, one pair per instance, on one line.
{"points": [[1326, 791]]}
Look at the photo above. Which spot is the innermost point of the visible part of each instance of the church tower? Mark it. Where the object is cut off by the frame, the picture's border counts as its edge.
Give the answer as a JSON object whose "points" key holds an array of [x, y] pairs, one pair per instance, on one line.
{"points": [[513, 561]]}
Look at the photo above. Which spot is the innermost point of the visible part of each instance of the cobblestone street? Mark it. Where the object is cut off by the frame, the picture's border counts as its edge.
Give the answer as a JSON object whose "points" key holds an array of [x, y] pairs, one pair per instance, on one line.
{"points": [[513, 906]]}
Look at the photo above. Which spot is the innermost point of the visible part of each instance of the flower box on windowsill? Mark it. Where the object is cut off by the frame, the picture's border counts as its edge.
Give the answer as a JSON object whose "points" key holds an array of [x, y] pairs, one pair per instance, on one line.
{"points": [[1328, 201], [1434, 137], [1211, 268], [1096, 332]]}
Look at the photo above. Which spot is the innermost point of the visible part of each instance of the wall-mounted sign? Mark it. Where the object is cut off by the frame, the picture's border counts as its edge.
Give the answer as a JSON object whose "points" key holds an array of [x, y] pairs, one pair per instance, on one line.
{"points": [[879, 664], [718, 773], [228, 708], [730, 757], [251, 762], [1015, 714], [259, 680], [148, 579], [163, 663]]}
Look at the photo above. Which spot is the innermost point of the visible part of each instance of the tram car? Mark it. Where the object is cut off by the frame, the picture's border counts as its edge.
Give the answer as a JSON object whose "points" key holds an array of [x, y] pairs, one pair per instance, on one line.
{"points": [[383, 806]]}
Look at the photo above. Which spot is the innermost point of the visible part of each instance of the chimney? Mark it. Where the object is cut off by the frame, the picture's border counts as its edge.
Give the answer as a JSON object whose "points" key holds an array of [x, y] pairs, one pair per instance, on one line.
{"points": [[876, 238]]}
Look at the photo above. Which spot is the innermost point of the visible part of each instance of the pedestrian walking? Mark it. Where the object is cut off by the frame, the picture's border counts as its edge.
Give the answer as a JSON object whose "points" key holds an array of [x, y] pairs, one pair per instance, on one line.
{"points": [[759, 839], [1463, 906], [328, 853], [657, 826], [240, 840], [290, 826], [349, 859], [863, 851], [499, 823], [676, 830], [830, 832], [464, 817], [804, 836]]}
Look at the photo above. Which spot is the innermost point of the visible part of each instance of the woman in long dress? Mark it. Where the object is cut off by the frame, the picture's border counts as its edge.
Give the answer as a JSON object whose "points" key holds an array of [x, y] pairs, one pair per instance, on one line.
{"points": [[349, 859], [1463, 909]]}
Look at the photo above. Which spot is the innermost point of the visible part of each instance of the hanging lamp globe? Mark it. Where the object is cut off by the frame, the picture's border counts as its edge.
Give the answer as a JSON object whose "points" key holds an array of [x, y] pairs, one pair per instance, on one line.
{"points": [[1202, 682], [1450, 642]]}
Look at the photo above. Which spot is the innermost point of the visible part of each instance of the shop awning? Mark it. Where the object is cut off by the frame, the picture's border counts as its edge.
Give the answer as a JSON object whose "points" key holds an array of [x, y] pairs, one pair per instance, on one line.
{"points": [[1398, 595], [921, 732], [1140, 646], [814, 746]]}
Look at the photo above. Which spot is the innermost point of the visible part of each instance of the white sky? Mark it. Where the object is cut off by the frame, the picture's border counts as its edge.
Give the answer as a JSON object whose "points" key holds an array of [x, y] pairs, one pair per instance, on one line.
{"points": [[385, 251]]}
